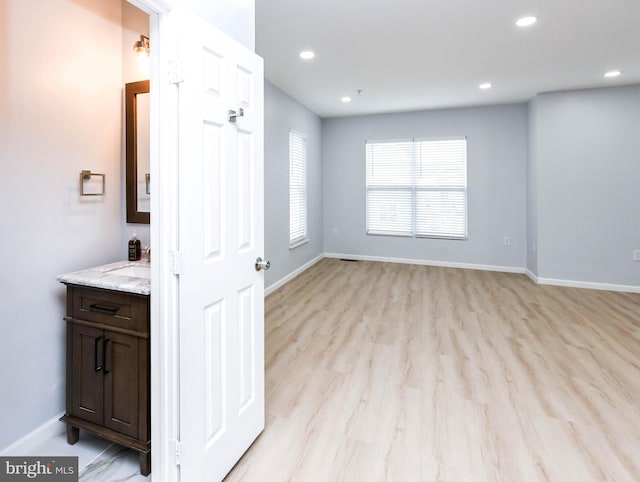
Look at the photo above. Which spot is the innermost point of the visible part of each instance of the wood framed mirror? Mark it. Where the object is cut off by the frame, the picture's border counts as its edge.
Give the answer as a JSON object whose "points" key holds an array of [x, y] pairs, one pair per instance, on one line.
{"points": [[137, 152]]}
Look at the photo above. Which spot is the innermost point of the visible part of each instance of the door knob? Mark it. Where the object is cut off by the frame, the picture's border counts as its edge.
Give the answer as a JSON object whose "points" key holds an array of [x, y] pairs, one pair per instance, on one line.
{"points": [[262, 264]]}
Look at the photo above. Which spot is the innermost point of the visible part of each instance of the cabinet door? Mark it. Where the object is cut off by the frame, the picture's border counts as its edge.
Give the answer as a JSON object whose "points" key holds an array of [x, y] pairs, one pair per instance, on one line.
{"points": [[86, 365], [121, 383]]}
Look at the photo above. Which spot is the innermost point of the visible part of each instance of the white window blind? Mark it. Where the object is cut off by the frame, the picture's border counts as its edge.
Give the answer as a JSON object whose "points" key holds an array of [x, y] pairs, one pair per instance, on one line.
{"points": [[297, 188], [417, 188]]}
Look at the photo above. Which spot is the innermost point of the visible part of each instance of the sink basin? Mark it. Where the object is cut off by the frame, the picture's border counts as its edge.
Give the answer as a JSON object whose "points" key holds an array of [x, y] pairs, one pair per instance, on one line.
{"points": [[136, 271]]}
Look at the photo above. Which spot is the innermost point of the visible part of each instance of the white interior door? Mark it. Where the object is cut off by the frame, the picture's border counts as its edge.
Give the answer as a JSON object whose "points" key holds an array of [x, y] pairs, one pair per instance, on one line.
{"points": [[221, 234]]}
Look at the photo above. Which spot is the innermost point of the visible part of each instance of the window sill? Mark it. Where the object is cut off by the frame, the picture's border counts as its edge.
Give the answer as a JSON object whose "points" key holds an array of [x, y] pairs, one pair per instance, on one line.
{"points": [[417, 236], [299, 243]]}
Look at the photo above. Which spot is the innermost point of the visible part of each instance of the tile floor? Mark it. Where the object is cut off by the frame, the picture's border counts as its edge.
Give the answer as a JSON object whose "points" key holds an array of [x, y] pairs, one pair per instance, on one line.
{"points": [[98, 460]]}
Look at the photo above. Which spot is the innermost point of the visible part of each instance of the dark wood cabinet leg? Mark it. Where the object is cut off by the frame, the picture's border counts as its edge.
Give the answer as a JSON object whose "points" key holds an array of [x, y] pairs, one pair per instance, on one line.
{"points": [[145, 463], [73, 434]]}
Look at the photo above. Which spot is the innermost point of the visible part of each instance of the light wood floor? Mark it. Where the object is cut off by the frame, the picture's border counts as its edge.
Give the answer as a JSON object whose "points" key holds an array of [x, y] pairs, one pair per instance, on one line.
{"points": [[390, 372]]}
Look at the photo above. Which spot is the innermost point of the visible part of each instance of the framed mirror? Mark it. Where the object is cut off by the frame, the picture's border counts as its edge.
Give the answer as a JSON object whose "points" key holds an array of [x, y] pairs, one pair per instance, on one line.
{"points": [[137, 152]]}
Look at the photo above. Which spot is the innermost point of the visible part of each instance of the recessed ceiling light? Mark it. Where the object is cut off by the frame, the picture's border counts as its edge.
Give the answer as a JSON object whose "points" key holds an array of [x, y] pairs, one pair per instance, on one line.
{"points": [[346, 98], [485, 86], [613, 73], [526, 21], [307, 54]]}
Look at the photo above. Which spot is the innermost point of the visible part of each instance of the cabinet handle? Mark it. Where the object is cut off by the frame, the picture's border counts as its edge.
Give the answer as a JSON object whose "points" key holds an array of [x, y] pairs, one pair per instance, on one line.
{"points": [[97, 358], [110, 310], [107, 358]]}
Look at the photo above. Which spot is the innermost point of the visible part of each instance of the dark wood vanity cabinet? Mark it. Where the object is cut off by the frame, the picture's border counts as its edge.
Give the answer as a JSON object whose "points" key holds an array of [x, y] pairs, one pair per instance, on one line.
{"points": [[108, 368]]}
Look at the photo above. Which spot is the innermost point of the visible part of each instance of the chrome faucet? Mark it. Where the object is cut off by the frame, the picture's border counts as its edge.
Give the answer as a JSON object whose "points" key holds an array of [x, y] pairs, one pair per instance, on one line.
{"points": [[148, 253]]}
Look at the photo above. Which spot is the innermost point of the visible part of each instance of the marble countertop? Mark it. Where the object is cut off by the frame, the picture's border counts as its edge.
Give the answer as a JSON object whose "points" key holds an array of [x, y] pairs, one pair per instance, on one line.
{"points": [[100, 277]]}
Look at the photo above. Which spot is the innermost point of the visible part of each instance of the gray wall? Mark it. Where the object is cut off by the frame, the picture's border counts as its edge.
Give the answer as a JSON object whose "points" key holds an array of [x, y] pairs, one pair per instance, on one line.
{"points": [[496, 151], [588, 168], [282, 113], [61, 113], [532, 187]]}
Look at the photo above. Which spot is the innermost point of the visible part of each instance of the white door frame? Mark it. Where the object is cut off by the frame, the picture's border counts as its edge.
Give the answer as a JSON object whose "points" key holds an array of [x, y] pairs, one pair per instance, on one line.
{"points": [[164, 208]]}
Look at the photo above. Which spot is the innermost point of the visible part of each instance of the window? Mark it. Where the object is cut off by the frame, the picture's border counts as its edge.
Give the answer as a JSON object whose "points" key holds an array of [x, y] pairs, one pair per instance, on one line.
{"points": [[297, 189], [417, 188]]}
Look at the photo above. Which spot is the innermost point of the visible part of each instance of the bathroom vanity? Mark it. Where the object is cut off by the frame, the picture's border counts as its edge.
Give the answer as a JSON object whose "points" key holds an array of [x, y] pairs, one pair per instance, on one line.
{"points": [[108, 373]]}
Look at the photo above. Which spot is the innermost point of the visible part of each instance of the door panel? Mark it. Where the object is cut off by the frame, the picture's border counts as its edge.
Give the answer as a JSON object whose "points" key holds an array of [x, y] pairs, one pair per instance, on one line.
{"points": [[220, 237], [213, 209], [246, 190], [246, 347], [215, 330]]}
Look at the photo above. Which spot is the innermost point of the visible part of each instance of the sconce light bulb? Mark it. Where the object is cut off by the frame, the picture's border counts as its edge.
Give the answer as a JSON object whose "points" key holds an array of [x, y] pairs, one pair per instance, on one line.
{"points": [[143, 60]]}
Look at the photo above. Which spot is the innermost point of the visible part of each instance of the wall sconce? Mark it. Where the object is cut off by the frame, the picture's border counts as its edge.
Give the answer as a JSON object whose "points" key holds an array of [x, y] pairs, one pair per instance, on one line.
{"points": [[141, 47]]}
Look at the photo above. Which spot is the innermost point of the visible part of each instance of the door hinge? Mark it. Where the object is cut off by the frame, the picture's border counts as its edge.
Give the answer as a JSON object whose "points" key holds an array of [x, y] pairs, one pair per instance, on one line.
{"points": [[178, 452], [176, 71], [176, 265]]}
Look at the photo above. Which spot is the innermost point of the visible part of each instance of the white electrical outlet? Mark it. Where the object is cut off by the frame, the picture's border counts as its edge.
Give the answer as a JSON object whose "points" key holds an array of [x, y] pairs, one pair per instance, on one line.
{"points": [[507, 240], [334, 231], [636, 254]]}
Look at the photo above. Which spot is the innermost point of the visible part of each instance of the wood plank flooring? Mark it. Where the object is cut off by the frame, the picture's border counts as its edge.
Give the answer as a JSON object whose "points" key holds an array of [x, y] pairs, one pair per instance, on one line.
{"points": [[391, 372]]}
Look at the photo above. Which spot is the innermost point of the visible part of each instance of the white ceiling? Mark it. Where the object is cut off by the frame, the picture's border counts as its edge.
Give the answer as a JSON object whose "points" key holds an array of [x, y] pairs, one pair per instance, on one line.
{"points": [[427, 54]]}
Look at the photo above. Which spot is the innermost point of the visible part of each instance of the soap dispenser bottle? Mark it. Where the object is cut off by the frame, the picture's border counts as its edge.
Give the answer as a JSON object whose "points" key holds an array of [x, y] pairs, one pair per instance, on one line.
{"points": [[134, 247]]}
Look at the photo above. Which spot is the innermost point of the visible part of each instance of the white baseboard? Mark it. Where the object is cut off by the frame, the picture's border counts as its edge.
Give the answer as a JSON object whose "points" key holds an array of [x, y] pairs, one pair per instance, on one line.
{"points": [[532, 277], [427, 262], [588, 285], [30, 441], [446, 264], [274, 286]]}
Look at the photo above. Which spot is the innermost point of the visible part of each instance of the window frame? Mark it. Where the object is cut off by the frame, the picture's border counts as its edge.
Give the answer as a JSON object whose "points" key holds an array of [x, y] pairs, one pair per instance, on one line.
{"points": [[304, 237]]}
